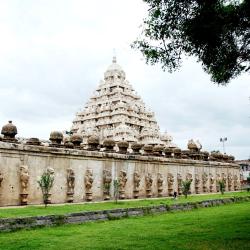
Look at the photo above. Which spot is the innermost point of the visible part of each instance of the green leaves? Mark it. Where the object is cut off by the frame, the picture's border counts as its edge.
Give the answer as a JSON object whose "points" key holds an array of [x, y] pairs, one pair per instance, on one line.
{"points": [[216, 32]]}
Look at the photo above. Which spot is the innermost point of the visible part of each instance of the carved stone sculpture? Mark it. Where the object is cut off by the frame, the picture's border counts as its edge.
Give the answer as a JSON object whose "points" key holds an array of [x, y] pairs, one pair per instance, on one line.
{"points": [[236, 183], [107, 179], [51, 171], [123, 147], [218, 178], [88, 180], [230, 181], [148, 183], [189, 177], [224, 178], [211, 183], [160, 184], [56, 138], [197, 184], [24, 180], [9, 132], [204, 182], [179, 183], [137, 180], [1, 179], [122, 183], [70, 185], [170, 184]]}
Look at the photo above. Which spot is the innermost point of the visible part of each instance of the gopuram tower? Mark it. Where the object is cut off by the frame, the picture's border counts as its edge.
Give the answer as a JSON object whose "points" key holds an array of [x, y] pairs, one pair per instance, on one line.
{"points": [[116, 111]]}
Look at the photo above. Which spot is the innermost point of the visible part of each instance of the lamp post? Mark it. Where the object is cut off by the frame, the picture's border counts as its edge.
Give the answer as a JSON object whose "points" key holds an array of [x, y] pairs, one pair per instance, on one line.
{"points": [[223, 140]]}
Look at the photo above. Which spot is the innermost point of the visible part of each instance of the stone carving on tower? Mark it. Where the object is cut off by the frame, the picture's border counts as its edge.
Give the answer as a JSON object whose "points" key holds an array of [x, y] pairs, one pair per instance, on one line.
{"points": [[116, 111]]}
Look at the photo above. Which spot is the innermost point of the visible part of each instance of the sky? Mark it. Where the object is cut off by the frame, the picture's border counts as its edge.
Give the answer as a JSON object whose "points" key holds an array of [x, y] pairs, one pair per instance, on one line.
{"points": [[54, 53]]}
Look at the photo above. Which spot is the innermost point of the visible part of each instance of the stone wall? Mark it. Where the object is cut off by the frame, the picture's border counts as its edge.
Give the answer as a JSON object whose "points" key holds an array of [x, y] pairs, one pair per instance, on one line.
{"points": [[80, 174]]}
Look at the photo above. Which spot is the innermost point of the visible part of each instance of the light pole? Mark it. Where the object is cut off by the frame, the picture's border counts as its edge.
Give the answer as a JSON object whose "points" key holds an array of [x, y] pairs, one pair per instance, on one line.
{"points": [[223, 140]]}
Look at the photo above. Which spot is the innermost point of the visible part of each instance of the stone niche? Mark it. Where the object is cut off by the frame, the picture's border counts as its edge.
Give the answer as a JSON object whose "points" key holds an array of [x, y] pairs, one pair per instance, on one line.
{"points": [[83, 175]]}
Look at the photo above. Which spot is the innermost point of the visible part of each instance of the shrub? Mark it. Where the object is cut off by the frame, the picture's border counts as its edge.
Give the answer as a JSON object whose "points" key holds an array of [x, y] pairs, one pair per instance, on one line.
{"points": [[221, 186], [45, 183], [186, 187]]}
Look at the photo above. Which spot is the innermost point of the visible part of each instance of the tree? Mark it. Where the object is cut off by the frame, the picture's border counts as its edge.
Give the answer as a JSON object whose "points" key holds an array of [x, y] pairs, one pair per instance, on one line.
{"points": [[186, 187], [216, 32], [221, 186], [45, 183]]}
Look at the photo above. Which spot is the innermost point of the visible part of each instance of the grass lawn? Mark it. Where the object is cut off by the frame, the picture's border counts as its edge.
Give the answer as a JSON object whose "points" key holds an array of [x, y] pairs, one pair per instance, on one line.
{"points": [[70, 208], [223, 227]]}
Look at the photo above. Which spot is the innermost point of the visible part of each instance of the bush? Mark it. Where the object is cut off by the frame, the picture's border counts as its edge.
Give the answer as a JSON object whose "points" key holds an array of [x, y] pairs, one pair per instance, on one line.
{"points": [[186, 187], [221, 186], [45, 183]]}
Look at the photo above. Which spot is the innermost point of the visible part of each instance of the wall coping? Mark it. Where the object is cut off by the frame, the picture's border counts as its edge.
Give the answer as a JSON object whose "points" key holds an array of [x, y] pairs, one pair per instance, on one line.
{"points": [[23, 149]]}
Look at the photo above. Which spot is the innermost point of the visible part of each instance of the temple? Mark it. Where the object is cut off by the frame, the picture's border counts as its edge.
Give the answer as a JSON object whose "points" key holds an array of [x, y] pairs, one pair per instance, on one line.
{"points": [[116, 111]]}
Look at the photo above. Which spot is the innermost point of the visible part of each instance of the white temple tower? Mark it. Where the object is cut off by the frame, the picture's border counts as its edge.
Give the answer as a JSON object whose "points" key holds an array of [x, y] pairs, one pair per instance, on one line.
{"points": [[116, 111]]}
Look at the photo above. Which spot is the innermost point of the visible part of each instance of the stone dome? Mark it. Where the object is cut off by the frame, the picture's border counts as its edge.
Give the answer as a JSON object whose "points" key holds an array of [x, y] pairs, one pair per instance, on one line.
{"points": [[56, 135], [94, 139], [9, 130], [76, 138]]}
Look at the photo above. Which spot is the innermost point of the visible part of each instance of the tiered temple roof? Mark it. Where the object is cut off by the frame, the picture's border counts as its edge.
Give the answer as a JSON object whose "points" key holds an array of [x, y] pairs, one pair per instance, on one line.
{"points": [[116, 111]]}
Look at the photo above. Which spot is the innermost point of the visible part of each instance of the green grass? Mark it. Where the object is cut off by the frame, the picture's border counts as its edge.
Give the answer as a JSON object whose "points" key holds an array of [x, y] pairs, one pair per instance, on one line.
{"points": [[223, 227], [70, 208]]}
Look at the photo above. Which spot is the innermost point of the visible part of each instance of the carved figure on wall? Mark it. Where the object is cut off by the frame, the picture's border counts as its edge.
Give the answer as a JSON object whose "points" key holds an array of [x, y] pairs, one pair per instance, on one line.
{"points": [[218, 178], [160, 184], [122, 183], [189, 177], [204, 182], [70, 184], [148, 183], [224, 178], [236, 183], [179, 182], [107, 179], [24, 180], [211, 183], [170, 184], [137, 180], [51, 171], [1, 179], [197, 184], [88, 180], [230, 181]]}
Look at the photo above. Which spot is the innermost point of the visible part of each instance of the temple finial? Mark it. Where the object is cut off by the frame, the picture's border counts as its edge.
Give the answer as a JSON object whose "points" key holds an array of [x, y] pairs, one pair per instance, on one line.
{"points": [[114, 56]]}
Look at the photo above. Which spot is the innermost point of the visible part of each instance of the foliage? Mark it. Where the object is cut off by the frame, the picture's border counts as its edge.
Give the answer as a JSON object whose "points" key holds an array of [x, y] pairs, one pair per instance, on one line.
{"points": [[186, 187], [116, 190], [216, 32], [45, 183], [107, 187], [221, 186]]}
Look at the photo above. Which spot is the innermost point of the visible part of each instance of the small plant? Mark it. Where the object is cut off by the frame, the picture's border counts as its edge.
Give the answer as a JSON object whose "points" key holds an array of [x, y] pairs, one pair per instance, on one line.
{"points": [[221, 186], [45, 183], [116, 190], [107, 188], [186, 187]]}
